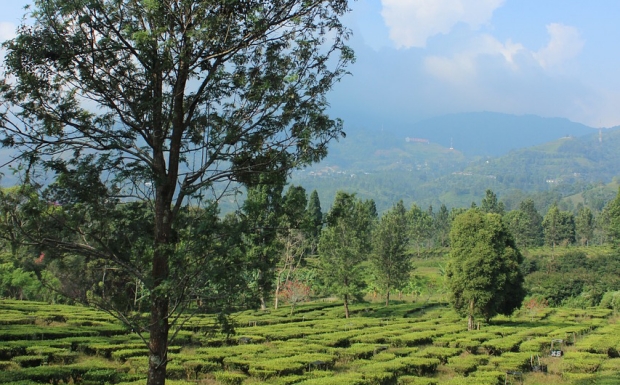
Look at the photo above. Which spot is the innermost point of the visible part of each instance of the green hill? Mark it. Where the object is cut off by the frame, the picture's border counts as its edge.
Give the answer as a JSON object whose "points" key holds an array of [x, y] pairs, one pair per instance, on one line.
{"points": [[378, 165]]}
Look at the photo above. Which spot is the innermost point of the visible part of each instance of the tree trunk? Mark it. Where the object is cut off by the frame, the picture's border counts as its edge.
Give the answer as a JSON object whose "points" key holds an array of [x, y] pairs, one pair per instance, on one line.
{"points": [[470, 319], [160, 273], [387, 297], [277, 293], [158, 342], [158, 339], [346, 306]]}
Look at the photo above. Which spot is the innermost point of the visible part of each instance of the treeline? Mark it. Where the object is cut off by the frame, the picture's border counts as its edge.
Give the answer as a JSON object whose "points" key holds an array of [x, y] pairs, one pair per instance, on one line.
{"points": [[281, 246]]}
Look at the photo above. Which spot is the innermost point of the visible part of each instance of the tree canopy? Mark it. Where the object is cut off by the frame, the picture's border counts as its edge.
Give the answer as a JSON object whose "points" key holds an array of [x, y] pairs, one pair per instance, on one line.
{"points": [[483, 270], [344, 244], [391, 263], [166, 102]]}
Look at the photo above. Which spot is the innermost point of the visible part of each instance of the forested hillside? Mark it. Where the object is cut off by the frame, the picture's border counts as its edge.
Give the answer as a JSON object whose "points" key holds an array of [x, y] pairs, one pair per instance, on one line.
{"points": [[381, 166]]}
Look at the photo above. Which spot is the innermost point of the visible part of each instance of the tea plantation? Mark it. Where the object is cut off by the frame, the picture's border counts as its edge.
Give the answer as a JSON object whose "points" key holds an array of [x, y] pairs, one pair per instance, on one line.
{"points": [[403, 344]]}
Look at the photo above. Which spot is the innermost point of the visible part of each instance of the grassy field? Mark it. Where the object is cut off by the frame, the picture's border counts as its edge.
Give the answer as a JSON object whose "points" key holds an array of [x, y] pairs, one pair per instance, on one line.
{"points": [[406, 343]]}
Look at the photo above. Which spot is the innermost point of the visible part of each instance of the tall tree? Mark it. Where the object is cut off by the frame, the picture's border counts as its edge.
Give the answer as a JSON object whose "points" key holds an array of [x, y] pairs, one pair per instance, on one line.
{"points": [[421, 226], [533, 235], [293, 238], [391, 264], [490, 204], [483, 270], [314, 221], [441, 226], [344, 245], [261, 213], [166, 101], [558, 227], [584, 225], [612, 216]]}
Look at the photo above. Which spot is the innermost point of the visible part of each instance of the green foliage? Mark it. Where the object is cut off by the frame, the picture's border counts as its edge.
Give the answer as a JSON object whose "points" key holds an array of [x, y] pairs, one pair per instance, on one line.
{"points": [[421, 226], [611, 300], [390, 261], [490, 204], [344, 244], [206, 95], [558, 227], [613, 216], [525, 224], [483, 272], [262, 213]]}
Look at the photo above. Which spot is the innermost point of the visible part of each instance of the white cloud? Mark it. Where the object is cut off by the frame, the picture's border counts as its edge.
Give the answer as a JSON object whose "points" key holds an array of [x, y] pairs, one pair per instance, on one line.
{"points": [[461, 68], [564, 44], [412, 22], [7, 31]]}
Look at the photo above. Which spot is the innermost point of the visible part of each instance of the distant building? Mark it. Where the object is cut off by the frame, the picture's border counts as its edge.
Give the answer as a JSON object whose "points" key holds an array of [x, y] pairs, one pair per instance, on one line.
{"points": [[416, 140]]}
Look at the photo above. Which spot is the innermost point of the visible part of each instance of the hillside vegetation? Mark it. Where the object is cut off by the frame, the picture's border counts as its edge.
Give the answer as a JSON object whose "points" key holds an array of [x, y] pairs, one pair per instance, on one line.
{"points": [[383, 166]]}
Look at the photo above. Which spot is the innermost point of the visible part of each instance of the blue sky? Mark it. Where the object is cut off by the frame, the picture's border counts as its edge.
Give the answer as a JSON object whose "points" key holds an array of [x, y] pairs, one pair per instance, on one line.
{"points": [[422, 58]]}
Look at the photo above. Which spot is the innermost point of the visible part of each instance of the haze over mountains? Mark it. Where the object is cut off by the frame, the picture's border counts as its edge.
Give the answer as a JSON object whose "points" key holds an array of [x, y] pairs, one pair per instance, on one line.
{"points": [[453, 159], [483, 133]]}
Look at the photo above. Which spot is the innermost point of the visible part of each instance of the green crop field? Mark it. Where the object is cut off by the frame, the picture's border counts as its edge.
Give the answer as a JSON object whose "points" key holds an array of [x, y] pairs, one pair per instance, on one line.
{"points": [[407, 343]]}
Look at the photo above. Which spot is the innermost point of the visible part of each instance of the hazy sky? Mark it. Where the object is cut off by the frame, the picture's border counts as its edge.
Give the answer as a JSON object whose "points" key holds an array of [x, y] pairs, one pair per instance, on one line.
{"points": [[423, 58]]}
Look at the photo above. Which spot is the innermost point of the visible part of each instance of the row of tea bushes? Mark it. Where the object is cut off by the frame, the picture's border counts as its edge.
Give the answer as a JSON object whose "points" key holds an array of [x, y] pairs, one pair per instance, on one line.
{"points": [[402, 344]]}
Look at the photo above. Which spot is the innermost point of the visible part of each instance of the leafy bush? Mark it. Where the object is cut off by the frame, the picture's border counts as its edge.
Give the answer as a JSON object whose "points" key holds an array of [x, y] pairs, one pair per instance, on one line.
{"points": [[611, 300], [230, 378]]}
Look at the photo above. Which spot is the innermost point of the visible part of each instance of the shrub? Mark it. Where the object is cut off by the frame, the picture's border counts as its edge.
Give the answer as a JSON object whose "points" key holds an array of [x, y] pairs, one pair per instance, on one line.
{"points": [[582, 362], [29, 361], [611, 300], [230, 378], [440, 353], [466, 364]]}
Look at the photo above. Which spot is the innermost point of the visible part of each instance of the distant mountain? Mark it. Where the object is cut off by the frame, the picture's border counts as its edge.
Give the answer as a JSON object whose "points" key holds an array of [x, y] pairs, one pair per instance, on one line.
{"points": [[589, 159], [491, 133], [558, 158]]}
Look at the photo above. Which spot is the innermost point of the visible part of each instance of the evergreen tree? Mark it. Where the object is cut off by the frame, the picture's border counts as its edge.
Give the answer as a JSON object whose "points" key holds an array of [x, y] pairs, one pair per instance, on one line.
{"points": [[344, 245], [262, 215], [584, 225], [483, 270], [533, 235], [490, 203], [518, 223], [558, 227], [421, 225], [612, 211], [315, 215], [441, 226], [391, 265]]}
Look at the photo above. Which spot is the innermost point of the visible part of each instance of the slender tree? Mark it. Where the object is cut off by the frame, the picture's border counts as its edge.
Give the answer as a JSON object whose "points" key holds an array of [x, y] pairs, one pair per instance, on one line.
{"points": [[584, 226], [391, 264], [261, 213], [533, 233], [292, 238], [343, 246], [421, 226], [441, 226], [166, 102], [314, 220], [558, 227]]}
